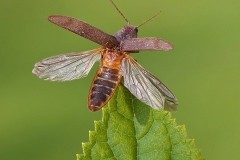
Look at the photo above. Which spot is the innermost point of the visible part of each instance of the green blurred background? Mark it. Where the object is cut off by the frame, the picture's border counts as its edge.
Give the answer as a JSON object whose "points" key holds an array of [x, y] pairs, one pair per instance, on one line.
{"points": [[44, 120]]}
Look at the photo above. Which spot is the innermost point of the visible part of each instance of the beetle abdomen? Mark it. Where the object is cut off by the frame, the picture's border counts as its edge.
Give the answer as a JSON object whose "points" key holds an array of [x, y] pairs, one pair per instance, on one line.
{"points": [[103, 87]]}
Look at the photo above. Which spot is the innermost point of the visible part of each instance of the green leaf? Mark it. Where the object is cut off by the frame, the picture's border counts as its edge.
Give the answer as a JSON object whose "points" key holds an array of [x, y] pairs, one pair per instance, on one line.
{"points": [[131, 130]]}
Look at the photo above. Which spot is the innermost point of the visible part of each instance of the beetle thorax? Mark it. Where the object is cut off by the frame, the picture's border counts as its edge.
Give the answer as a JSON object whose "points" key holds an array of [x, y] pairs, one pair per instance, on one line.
{"points": [[112, 58], [126, 32]]}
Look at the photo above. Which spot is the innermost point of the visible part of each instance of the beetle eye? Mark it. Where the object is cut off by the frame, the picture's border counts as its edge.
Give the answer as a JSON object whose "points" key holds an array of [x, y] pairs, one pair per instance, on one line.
{"points": [[136, 30]]}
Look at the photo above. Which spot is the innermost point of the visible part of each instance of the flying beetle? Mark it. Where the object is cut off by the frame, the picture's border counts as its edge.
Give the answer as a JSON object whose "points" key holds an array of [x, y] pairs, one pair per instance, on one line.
{"points": [[116, 63]]}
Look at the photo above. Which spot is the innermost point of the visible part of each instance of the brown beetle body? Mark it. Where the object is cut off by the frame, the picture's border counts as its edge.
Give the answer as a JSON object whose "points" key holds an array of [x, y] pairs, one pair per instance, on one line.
{"points": [[106, 80], [115, 64]]}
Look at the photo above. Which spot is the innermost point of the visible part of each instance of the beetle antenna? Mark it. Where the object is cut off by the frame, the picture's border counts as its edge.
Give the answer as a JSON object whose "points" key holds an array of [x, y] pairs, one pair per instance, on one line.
{"points": [[149, 19], [119, 11]]}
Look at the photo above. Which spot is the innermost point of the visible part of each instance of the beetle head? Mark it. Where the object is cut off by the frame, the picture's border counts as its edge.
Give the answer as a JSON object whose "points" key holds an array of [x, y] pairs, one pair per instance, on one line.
{"points": [[129, 31]]}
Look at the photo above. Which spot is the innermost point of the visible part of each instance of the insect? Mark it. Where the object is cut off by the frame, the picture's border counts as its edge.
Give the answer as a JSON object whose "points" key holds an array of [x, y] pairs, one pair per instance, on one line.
{"points": [[115, 64]]}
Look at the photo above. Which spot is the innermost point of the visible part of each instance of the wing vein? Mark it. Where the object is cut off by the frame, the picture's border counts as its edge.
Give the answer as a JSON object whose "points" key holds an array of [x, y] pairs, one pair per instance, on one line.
{"points": [[68, 66], [145, 86]]}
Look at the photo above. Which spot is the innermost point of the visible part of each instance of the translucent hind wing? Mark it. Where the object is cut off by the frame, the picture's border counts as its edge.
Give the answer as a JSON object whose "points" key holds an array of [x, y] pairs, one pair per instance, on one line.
{"points": [[146, 87], [67, 67]]}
